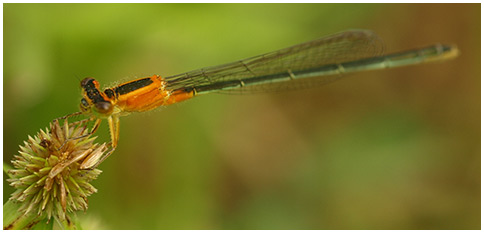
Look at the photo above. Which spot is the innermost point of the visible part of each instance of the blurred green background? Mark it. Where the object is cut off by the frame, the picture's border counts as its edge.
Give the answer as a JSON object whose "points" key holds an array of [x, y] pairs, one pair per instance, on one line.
{"points": [[389, 149]]}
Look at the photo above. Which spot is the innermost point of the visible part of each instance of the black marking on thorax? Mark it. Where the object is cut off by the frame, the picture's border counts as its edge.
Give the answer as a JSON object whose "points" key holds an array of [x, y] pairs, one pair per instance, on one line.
{"points": [[132, 86]]}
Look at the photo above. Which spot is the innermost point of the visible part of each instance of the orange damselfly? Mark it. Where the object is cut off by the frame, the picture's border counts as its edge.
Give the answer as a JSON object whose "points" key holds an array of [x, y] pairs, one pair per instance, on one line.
{"points": [[311, 63]]}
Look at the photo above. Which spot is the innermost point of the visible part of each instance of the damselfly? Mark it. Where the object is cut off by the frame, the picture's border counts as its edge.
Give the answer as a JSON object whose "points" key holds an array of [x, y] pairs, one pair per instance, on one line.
{"points": [[308, 64]]}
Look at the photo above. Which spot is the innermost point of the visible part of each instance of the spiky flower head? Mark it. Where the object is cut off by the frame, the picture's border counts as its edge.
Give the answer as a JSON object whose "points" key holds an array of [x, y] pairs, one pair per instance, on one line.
{"points": [[48, 177]]}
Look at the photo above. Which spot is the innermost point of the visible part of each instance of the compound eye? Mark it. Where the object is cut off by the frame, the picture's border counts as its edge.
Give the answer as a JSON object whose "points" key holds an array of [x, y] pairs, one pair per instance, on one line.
{"points": [[85, 106], [104, 107], [85, 81], [84, 102]]}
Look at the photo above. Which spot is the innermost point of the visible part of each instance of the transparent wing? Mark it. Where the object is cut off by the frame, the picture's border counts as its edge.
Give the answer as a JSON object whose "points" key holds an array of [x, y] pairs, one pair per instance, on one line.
{"points": [[334, 49]]}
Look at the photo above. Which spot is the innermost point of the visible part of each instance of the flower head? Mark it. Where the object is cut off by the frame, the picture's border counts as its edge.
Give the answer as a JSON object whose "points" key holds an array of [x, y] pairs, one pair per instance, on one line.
{"points": [[48, 177]]}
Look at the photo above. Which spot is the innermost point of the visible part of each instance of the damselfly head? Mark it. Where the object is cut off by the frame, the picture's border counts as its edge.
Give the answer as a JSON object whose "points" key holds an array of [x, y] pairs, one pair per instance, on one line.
{"points": [[94, 99]]}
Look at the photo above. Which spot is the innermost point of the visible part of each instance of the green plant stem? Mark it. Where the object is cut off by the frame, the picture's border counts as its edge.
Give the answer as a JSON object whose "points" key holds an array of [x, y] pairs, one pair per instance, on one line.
{"points": [[6, 168], [16, 220]]}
